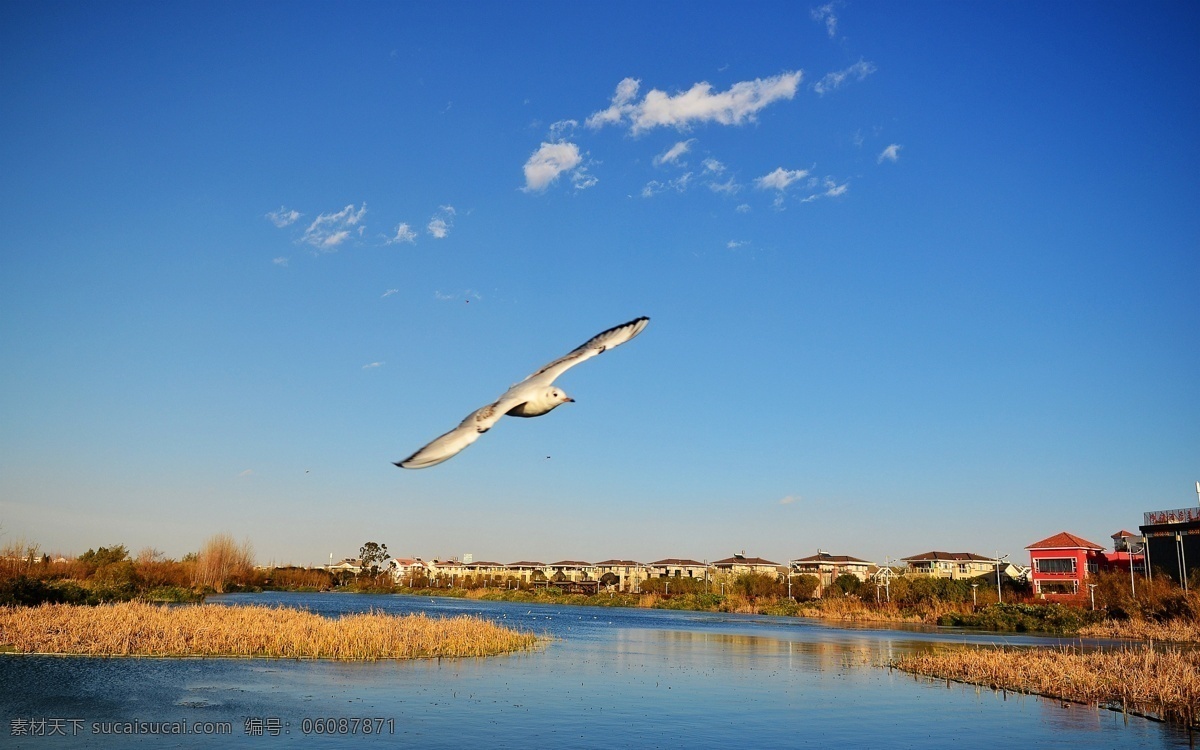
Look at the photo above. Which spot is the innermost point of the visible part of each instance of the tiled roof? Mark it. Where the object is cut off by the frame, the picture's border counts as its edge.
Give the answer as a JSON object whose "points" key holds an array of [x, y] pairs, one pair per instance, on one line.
{"points": [[949, 557], [618, 562], [570, 564], [1122, 533], [679, 562], [1064, 540], [740, 560], [526, 564], [826, 557]]}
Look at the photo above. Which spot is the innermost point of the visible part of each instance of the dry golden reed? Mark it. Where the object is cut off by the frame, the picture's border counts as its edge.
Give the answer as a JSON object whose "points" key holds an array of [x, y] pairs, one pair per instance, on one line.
{"points": [[1178, 631], [139, 629], [1160, 683]]}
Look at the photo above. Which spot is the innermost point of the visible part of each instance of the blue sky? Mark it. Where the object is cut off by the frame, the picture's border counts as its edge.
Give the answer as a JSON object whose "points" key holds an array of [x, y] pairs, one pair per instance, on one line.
{"points": [[920, 275]]}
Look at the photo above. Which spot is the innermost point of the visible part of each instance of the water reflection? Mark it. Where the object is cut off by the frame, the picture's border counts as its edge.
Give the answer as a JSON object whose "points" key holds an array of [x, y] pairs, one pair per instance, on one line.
{"points": [[611, 678]]}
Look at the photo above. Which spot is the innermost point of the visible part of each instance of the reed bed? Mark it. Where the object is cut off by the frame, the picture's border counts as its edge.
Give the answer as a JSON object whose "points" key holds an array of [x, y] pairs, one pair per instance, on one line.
{"points": [[1177, 631], [1157, 683], [140, 629]]}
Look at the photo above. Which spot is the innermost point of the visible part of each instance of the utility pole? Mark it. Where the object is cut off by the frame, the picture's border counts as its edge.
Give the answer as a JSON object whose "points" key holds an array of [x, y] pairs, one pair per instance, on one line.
{"points": [[999, 593]]}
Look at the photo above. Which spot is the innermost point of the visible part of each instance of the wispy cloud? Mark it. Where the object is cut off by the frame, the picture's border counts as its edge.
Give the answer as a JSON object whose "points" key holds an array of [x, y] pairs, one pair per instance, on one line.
{"points": [[739, 104], [826, 14], [712, 166], [246, 473], [441, 222], [389, 293], [372, 365], [780, 178], [679, 185], [465, 295], [280, 261], [550, 161], [671, 155], [404, 233], [735, 244], [284, 216], [789, 499], [330, 230], [562, 129], [891, 153], [826, 187], [834, 80]]}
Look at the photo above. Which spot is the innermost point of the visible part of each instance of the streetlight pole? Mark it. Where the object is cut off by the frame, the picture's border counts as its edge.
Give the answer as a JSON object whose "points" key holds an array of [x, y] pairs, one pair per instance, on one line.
{"points": [[1092, 591], [999, 593], [974, 600]]}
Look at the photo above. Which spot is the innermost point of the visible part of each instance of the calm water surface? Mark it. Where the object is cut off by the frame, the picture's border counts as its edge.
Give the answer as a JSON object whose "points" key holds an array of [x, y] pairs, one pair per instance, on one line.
{"points": [[611, 678]]}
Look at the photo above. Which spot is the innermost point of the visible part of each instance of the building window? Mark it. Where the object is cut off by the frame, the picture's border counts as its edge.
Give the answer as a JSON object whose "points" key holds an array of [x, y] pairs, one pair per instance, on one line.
{"points": [[1054, 564], [1057, 587]]}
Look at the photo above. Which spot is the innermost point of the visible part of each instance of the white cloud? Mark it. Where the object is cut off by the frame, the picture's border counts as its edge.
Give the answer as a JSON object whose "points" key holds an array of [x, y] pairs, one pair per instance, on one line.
{"points": [[246, 472], [679, 185], [891, 153], [671, 155], [713, 166], [735, 244], [826, 15], [626, 90], [729, 187], [825, 187], [330, 230], [466, 296], [548, 162], [698, 104], [561, 129], [280, 261], [789, 499], [439, 225], [743, 208], [389, 293], [283, 217], [780, 178], [582, 180], [831, 81], [372, 365], [404, 233]]}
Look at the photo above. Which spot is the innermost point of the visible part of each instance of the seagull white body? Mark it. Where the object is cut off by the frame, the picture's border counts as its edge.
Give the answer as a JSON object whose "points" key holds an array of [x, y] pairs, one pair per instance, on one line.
{"points": [[532, 397]]}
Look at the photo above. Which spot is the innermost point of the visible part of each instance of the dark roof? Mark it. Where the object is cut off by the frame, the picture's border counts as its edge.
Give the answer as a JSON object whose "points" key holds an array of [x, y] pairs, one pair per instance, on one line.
{"points": [[826, 557], [949, 557], [570, 564], [1064, 540], [743, 560], [526, 564], [679, 562], [617, 562], [485, 564]]}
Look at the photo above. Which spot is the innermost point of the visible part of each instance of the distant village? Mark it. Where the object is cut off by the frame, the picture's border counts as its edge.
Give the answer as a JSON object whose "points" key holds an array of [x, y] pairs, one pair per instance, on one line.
{"points": [[1058, 566]]}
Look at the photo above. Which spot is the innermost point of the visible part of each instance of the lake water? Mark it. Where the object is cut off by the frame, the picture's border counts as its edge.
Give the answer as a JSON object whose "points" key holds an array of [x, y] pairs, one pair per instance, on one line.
{"points": [[620, 678]]}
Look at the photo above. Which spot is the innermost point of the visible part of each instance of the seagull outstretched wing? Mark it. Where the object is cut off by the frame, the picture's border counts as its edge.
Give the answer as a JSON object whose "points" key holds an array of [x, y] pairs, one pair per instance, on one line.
{"points": [[481, 420]]}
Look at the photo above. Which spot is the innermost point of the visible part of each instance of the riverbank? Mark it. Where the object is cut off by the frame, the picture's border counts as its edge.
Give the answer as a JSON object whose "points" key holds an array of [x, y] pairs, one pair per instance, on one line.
{"points": [[141, 629], [1157, 683], [1055, 619]]}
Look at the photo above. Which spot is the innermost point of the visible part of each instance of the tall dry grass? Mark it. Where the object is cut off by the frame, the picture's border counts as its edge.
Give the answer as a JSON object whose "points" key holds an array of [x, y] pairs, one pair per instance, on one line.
{"points": [[1161, 683], [139, 629], [222, 561], [1177, 630]]}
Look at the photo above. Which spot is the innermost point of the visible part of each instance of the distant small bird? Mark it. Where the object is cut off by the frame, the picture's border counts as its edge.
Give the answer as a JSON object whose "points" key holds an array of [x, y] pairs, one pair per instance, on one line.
{"points": [[532, 397]]}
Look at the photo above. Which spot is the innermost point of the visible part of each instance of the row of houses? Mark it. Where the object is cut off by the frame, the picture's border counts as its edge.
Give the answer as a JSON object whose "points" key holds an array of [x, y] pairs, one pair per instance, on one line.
{"points": [[628, 575], [1059, 565]]}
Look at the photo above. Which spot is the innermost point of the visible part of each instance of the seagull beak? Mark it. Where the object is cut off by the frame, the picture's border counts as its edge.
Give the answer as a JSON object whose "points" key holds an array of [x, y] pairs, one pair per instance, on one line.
{"points": [[569, 400]]}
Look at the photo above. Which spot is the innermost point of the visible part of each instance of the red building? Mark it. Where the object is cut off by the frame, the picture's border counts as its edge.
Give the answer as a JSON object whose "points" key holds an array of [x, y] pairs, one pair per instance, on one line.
{"points": [[1059, 565]]}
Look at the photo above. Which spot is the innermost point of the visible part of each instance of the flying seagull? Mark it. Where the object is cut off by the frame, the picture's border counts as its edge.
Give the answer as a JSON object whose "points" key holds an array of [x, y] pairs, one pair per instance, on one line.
{"points": [[532, 397]]}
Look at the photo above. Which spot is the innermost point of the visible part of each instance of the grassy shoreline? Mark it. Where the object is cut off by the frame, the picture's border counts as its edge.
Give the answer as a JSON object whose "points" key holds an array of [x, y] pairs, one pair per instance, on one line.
{"points": [[1162, 684], [211, 630]]}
